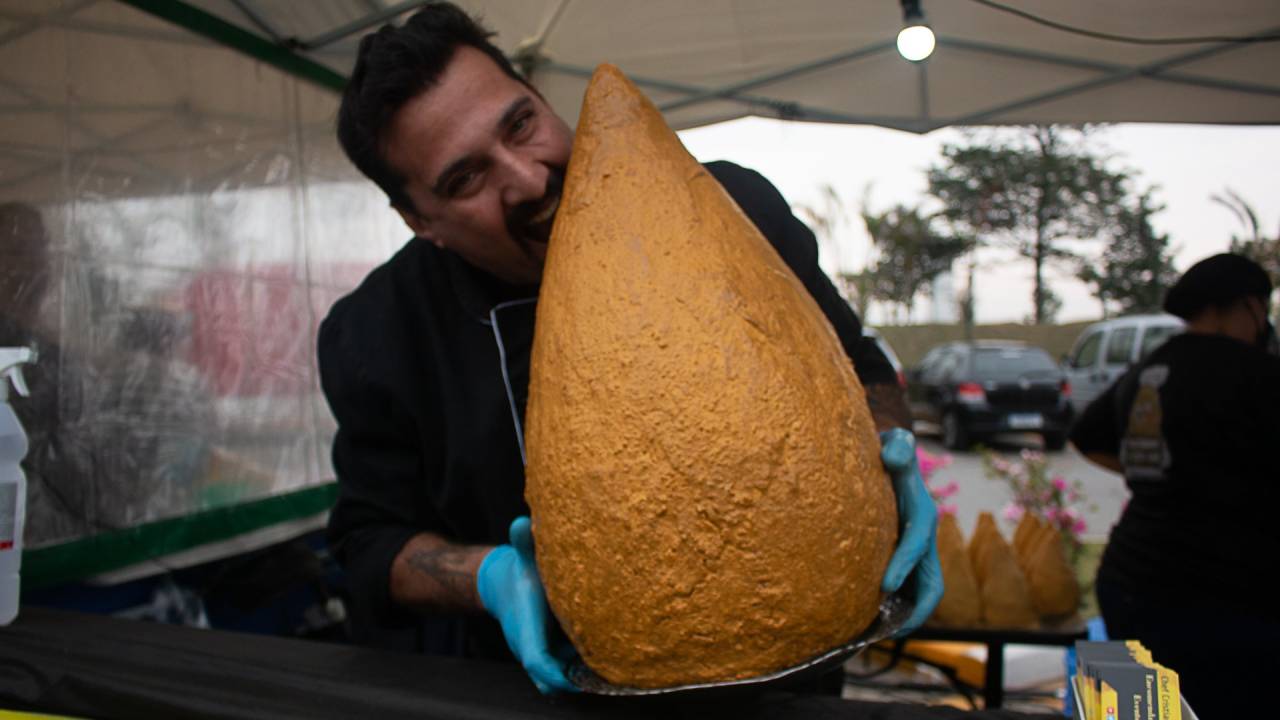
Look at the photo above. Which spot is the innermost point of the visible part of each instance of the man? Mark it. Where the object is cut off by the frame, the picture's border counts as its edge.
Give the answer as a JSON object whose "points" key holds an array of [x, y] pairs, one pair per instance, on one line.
{"points": [[1192, 428], [472, 158]]}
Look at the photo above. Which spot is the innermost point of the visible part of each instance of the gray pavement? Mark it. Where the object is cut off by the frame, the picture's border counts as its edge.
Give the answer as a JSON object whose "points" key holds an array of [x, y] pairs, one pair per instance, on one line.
{"points": [[1105, 491]]}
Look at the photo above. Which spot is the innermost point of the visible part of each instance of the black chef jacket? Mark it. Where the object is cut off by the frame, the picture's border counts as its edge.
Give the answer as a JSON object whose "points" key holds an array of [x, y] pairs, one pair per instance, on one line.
{"points": [[1194, 425], [415, 364]]}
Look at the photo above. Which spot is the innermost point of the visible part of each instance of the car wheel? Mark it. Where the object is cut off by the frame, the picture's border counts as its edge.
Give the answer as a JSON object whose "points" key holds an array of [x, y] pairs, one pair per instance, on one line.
{"points": [[954, 434], [1055, 441]]}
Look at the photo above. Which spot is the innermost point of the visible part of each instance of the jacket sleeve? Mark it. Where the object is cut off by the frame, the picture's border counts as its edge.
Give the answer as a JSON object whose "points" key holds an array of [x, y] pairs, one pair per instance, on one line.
{"points": [[1098, 428], [795, 242], [382, 499]]}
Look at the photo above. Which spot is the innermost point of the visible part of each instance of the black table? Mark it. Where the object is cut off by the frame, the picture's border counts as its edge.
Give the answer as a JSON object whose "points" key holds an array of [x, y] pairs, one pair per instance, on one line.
{"points": [[1061, 635], [103, 667]]}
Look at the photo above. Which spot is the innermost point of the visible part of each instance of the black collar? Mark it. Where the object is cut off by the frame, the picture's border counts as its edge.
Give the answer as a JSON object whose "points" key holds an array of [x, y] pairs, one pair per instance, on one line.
{"points": [[477, 291]]}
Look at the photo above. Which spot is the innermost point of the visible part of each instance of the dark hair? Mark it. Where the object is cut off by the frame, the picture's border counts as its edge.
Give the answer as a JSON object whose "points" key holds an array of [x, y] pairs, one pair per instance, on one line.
{"points": [[394, 65], [1218, 281]]}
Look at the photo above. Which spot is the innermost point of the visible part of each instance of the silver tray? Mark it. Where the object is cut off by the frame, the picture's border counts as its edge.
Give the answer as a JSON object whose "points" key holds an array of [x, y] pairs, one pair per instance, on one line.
{"points": [[894, 611]]}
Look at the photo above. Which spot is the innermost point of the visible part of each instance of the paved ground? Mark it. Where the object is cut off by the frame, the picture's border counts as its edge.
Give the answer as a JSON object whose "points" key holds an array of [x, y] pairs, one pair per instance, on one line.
{"points": [[1105, 491]]}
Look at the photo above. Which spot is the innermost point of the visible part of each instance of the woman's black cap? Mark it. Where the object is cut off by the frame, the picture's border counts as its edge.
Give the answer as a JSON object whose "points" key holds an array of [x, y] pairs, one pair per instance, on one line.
{"points": [[1216, 281]]}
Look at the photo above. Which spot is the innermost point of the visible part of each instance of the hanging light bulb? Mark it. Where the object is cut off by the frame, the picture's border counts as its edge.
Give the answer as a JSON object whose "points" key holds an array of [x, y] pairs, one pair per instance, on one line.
{"points": [[915, 40]]}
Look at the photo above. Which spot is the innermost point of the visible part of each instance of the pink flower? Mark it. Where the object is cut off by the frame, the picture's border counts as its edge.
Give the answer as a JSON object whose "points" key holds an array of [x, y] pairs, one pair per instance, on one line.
{"points": [[1012, 512], [948, 509], [1079, 526], [1060, 483], [929, 463], [947, 490]]}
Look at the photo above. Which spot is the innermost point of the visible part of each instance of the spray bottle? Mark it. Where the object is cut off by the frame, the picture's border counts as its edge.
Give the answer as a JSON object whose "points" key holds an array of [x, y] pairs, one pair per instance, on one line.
{"points": [[13, 485]]}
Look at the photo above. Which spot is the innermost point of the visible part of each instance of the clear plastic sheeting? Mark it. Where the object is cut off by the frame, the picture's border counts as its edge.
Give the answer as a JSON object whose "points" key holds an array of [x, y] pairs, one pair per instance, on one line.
{"points": [[175, 221]]}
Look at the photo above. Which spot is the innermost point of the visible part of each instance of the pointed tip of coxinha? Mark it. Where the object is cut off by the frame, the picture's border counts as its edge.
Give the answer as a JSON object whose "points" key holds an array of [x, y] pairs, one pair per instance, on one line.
{"points": [[615, 111]]}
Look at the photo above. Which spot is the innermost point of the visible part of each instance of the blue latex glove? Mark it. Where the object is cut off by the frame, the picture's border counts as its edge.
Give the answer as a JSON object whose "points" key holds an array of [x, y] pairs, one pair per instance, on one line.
{"points": [[511, 591], [917, 553]]}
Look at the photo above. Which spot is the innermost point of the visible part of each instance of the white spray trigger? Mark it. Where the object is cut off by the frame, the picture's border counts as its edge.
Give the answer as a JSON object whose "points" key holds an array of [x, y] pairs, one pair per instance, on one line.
{"points": [[19, 384]]}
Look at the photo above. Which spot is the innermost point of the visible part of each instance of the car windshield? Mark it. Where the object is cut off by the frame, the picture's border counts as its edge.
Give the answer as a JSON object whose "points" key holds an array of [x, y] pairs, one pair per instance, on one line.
{"points": [[1012, 363]]}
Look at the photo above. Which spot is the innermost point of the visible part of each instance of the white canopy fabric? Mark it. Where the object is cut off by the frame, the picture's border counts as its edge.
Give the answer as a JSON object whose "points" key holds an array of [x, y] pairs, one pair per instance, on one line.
{"points": [[835, 60], [701, 62]]}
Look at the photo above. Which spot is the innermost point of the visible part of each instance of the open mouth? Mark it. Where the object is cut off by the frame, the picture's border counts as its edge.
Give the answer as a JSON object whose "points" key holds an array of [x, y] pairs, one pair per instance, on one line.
{"points": [[538, 227], [547, 212]]}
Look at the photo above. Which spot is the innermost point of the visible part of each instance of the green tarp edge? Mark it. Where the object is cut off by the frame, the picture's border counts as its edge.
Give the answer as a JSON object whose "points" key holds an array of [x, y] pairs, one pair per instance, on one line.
{"points": [[109, 551], [221, 31]]}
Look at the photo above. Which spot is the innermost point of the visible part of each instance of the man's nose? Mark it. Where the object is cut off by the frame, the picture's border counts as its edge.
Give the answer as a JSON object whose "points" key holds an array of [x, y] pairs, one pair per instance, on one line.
{"points": [[524, 179]]}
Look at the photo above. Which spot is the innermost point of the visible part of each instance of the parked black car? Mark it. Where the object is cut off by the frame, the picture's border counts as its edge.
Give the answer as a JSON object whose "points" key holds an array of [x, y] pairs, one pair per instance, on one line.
{"points": [[986, 387]]}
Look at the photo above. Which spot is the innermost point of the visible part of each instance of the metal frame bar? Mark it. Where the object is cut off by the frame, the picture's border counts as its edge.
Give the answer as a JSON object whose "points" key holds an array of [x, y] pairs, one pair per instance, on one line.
{"points": [[356, 26], [94, 109], [732, 91], [26, 27], [72, 122], [527, 56], [105, 142], [237, 38], [781, 108], [127, 31], [1154, 70], [922, 75], [255, 18], [1083, 64]]}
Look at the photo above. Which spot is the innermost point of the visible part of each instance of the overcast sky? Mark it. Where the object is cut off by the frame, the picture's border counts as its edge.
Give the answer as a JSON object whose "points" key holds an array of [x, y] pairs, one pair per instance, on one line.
{"points": [[1187, 163]]}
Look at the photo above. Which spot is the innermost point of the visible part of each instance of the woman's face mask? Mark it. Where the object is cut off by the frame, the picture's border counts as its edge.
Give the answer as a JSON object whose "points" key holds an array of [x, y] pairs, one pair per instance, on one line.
{"points": [[1267, 340]]}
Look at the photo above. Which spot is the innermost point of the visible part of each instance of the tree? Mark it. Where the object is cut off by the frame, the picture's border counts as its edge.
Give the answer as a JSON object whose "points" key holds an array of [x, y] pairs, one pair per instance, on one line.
{"points": [[827, 221], [1254, 245], [910, 253], [1029, 192], [1136, 268]]}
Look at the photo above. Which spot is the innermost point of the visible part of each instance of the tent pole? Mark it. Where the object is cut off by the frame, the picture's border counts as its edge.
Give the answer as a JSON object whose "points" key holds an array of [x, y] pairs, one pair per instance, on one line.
{"points": [[220, 31]]}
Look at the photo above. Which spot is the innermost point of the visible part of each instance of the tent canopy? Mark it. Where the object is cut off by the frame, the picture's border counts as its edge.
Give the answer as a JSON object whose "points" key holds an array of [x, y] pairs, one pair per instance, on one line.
{"points": [[704, 62], [835, 60]]}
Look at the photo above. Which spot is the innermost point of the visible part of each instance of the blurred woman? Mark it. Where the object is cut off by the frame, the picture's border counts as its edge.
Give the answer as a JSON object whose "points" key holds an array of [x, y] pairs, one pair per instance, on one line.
{"points": [[1193, 428]]}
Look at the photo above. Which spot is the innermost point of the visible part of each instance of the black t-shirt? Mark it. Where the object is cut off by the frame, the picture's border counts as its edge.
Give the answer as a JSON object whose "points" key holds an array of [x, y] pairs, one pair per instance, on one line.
{"points": [[1196, 426], [426, 436]]}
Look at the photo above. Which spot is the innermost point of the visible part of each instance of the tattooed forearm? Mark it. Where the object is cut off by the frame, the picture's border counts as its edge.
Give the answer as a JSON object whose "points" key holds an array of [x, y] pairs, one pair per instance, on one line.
{"points": [[888, 405], [432, 574]]}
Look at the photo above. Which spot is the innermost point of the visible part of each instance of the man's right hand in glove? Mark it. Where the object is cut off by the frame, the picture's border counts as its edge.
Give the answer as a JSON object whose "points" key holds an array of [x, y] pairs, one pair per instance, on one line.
{"points": [[511, 591]]}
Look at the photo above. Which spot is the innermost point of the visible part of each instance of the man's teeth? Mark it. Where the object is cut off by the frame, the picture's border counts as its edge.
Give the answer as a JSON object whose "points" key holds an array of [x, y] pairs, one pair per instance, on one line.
{"points": [[547, 213]]}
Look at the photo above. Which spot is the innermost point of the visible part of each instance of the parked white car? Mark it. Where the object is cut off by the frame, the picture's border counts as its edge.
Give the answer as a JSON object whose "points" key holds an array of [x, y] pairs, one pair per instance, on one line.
{"points": [[1106, 349]]}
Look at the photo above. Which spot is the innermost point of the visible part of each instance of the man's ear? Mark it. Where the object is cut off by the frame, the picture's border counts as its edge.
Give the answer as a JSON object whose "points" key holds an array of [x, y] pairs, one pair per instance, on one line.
{"points": [[420, 226]]}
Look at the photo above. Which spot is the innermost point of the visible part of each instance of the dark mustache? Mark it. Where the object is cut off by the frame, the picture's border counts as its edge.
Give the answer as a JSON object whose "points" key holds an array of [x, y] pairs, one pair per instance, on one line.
{"points": [[519, 216]]}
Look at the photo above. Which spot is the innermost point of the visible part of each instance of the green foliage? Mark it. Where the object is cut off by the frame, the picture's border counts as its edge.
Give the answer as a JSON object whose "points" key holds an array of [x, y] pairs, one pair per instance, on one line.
{"points": [[1136, 267], [911, 253], [1253, 245], [1029, 192], [826, 222]]}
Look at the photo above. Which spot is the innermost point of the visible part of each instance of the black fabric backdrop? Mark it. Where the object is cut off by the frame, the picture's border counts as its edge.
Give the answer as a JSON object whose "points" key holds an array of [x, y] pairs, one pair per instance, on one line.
{"points": [[101, 667]]}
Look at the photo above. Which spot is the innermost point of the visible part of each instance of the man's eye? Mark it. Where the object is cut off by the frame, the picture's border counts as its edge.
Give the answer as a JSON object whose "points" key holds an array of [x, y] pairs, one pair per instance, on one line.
{"points": [[522, 125], [462, 182]]}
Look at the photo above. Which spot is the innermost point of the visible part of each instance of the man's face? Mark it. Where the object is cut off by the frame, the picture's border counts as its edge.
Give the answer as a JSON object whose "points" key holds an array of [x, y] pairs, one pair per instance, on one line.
{"points": [[483, 158]]}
